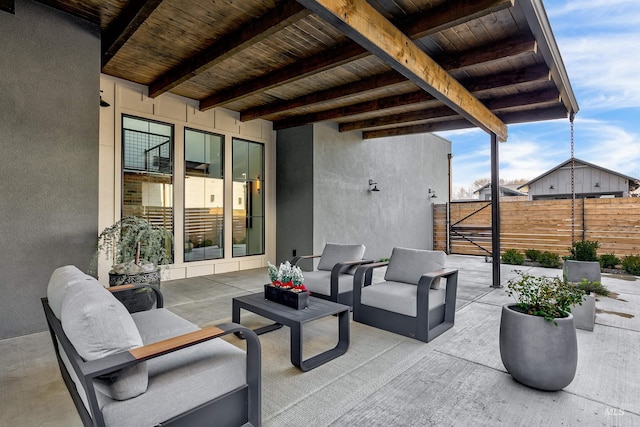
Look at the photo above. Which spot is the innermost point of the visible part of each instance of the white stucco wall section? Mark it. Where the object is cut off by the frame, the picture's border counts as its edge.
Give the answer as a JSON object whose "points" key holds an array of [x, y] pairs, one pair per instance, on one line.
{"points": [[401, 213], [129, 98]]}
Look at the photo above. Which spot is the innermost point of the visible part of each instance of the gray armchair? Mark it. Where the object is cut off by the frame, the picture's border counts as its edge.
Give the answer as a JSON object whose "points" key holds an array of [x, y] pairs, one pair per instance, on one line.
{"points": [[410, 301], [333, 279]]}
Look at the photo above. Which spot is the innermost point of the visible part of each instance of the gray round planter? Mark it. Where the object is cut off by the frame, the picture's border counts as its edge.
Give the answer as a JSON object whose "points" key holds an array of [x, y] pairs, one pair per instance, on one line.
{"points": [[538, 353]]}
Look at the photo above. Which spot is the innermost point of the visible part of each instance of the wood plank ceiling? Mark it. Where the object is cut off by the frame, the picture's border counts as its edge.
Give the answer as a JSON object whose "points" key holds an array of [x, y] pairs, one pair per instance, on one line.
{"points": [[479, 63]]}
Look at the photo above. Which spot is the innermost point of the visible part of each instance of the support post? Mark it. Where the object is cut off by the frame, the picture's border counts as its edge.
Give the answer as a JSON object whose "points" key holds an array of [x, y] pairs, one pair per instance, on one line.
{"points": [[495, 211]]}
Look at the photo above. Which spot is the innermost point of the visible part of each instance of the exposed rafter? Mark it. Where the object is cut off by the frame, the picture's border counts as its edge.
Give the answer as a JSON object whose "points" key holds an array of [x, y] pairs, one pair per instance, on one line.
{"points": [[498, 51], [245, 36], [476, 86], [550, 113], [444, 16], [362, 23], [123, 27]]}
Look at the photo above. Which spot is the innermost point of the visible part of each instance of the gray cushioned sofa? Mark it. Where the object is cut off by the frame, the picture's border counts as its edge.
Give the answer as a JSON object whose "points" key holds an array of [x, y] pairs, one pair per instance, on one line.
{"points": [[147, 368]]}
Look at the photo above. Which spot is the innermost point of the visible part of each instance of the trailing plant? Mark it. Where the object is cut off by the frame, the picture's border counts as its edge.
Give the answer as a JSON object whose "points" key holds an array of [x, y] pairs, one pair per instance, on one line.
{"points": [[631, 264], [584, 250], [532, 254], [134, 245], [587, 287], [609, 261], [513, 257], [548, 297], [549, 259]]}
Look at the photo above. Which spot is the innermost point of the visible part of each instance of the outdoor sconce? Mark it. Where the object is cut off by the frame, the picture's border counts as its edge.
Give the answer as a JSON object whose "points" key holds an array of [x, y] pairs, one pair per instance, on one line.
{"points": [[373, 184], [597, 185], [551, 187], [104, 103], [432, 194]]}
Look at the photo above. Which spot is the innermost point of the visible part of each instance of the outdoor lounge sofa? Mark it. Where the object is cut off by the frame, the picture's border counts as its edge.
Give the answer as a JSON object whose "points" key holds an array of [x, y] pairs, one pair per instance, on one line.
{"points": [[333, 278], [411, 301], [147, 368]]}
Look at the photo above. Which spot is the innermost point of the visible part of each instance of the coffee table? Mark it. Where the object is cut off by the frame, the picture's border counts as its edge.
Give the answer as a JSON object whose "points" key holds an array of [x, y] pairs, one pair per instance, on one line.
{"points": [[295, 319]]}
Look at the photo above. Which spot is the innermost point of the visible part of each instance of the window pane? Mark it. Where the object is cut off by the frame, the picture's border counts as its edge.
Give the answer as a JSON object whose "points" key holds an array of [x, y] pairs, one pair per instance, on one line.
{"points": [[204, 196], [147, 171], [248, 197]]}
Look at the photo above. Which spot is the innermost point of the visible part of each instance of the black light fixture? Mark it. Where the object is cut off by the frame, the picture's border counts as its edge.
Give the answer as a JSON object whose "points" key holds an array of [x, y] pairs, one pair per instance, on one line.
{"points": [[432, 194], [551, 187], [597, 185], [104, 103], [373, 186]]}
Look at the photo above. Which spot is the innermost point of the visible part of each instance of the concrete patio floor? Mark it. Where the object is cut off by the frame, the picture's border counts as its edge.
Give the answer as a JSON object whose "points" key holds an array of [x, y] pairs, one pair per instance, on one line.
{"points": [[385, 379]]}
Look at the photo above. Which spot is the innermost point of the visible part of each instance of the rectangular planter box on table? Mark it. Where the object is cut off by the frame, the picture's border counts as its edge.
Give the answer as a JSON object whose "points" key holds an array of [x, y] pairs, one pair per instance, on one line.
{"points": [[297, 300]]}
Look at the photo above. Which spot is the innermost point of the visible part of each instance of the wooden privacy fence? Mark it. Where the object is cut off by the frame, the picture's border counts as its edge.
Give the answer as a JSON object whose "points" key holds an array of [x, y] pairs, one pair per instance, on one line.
{"points": [[541, 224]]}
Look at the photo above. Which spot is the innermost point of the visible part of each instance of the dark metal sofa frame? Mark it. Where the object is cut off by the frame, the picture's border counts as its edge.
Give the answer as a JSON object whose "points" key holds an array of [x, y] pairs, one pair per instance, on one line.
{"points": [[238, 407], [427, 325], [345, 298]]}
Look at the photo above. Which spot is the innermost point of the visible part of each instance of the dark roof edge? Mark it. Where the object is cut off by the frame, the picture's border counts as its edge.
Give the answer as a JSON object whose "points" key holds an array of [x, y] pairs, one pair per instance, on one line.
{"points": [[578, 161]]}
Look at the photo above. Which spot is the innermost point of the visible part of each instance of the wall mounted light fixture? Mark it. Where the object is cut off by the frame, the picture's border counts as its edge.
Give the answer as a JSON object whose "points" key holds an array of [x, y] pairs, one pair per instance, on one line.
{"points": [[373, 186], [104, 103], [432, 194], [597, 185], [551, 187]]}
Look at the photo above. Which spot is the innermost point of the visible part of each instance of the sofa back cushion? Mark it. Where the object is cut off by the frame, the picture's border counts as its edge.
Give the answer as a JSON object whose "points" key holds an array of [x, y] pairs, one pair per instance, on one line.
{"points": [[62, 280], [334, 253], [408, 265], [98, 325]]}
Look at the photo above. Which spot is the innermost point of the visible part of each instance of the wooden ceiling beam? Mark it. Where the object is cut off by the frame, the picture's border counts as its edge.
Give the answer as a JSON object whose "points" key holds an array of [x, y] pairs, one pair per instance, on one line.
{"points": [[242, 38], [538, 98], [497, 51], [125, 25], [363, 24], [506, 79], [444, 16], [538, 114]]}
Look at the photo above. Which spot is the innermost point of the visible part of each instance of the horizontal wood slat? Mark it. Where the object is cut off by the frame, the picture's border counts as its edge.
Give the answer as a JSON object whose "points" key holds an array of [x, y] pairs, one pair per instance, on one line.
{"points": [[541, 224], [171, 343]]}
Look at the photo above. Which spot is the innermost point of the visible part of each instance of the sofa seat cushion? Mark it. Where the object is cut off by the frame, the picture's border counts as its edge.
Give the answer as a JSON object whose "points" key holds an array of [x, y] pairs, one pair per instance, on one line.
{"points": [[180, 380], [408, 265], [62, 280], [319, 282], [398, 297], [98, 325], [334, 253]]}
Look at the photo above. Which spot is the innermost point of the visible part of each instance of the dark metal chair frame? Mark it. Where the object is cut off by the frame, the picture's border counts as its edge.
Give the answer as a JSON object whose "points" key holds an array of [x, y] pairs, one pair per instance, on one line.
{"points": [[238, 407], [345, 298], [428, 323]]}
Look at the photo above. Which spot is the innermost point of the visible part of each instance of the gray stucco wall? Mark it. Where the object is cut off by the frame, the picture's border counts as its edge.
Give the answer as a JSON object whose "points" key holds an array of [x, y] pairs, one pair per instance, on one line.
{"points": [[294, 193], [50, 65], [401, 213]]}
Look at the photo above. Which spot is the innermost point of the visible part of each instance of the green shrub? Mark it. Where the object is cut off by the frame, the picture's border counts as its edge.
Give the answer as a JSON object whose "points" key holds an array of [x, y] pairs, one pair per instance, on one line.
{"points": [[609, 261], [631, 264], [549, 259], [587, 287], [512, 256], [532, 254], [584, 250]]}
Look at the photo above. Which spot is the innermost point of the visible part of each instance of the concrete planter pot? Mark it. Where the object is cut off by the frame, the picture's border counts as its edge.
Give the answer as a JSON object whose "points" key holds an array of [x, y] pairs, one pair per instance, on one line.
{"points": [[584, 316], [538, 353], [575, 271]]}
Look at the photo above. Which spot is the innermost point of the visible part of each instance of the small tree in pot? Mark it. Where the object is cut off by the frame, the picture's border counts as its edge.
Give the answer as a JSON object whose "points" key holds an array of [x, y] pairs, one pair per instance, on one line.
{"points": [[538, 344], [137, 249], [583, 262]]}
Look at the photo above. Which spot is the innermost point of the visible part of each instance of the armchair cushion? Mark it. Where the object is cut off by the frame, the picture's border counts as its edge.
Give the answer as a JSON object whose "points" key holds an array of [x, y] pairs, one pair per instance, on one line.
{"points": [[408, 265], [398, 297], [61, 281], [98, 325], [334, 253], [319, 282]]}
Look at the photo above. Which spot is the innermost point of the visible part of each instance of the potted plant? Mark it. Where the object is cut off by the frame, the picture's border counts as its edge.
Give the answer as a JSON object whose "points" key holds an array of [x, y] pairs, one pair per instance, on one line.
{"points": [[287, 286], [538, 344], [137, 250], [583, 262]]}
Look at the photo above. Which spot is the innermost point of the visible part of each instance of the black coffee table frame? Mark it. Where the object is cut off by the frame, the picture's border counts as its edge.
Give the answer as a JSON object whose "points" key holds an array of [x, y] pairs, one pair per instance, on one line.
{"points": [[295, 319]]}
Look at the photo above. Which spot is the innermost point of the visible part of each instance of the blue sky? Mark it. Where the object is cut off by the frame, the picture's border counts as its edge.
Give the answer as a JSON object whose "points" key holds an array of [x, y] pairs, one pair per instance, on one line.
{"points": [[599, 41]]}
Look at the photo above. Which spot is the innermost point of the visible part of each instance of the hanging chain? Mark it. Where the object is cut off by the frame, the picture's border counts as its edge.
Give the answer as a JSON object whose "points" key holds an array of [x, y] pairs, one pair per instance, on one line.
{"points": [[573, 189]]}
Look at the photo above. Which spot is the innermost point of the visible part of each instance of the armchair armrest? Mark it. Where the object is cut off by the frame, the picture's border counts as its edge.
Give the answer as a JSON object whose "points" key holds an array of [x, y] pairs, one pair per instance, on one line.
{"points": [[340, 268], [363, 277], [296, 259], [450, 294], [130, 286]]}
